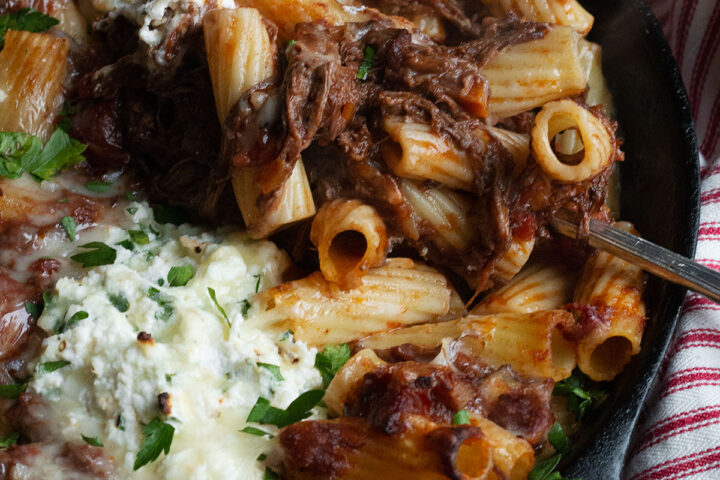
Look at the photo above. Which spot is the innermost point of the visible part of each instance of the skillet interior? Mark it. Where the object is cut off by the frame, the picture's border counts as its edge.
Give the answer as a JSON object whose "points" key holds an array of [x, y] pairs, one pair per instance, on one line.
{"points": [[660, 195]]}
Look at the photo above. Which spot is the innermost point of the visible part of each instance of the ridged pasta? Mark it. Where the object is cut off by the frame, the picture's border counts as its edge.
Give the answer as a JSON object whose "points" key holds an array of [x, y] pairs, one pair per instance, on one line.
{"points": [[530, 343], [32, 73], [424, 451], [561, 12], [348, 378], [597, 90], [240, 55], [543, 286], [417, 152], [518, 144], [350, 237], [447, 212], [402, 292], [514, 259], [615, 288], [512, 455], [561, 115], [528, 75]]}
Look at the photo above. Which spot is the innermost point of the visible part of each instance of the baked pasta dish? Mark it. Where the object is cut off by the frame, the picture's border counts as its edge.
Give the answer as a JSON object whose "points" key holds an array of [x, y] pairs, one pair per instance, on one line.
{"points": [[304, 239]]}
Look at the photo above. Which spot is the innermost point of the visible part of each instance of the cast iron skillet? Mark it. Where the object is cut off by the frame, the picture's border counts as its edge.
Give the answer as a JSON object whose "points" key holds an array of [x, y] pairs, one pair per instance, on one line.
{"points": [[660, 195]]}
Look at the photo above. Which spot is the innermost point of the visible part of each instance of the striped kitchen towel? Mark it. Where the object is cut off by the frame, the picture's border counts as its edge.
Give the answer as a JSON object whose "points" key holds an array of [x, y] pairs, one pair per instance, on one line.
{"points": [[680, 434]]}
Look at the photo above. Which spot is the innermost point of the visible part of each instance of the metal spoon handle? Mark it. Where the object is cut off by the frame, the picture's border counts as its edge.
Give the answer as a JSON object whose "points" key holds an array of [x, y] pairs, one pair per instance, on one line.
{"points": [[650, 257]]}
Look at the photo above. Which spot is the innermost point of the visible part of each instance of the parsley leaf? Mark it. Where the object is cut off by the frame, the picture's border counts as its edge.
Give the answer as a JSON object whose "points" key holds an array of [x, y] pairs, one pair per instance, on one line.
{"points": [[158, 437], [67, 112], [256, 431], [579, 399], [270, 474], [26, 19], [211, 292], [35, 309], [119, 301], [164, 301], [98, 187], [132, 210], [543, 470], [164, 214], [298, 410], [60, 152], [461, 417], [14, 147], [13, 390], [245, 307], [558, 439], [331, 360], [76, 317], [180, 276], [100, 254], [69, 225], [127, 244], [139, 237], [94, 441], [258, 277], [366, 64], [9, 440], [274, 369], [49, 367]]}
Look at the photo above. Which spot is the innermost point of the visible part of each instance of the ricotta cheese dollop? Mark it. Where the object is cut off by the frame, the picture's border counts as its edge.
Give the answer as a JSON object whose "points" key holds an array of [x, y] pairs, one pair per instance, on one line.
{"points": [[124, 336]]}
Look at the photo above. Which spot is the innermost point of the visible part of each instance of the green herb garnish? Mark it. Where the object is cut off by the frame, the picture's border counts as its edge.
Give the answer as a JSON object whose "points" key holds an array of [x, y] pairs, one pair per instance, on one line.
{"points": [[180, 276], [461, 417], [298, 410], [211, 292], [164, 301], [100, 254], [367, 63], [26, 19], [69, 225], [256, 431], [49, 367], [98, 187], [579, 399], [274, 369], [94, 441], [158, 437], [139, 237], [13, 390], [9, 440], [331, 360], [119, 301]]}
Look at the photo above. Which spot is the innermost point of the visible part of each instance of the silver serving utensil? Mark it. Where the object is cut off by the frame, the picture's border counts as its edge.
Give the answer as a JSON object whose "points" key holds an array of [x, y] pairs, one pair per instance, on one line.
{"points": [[650, 257]]}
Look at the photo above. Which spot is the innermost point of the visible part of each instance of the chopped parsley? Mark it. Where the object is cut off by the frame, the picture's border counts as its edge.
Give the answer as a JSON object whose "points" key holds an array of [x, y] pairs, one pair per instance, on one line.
{"points": [[76, 317], [164, 302], [169, 377], [331, 360], [119, 302], [26, 19], [270, 474], [211, 292], [13, 390], [132, 210], [274, 369], [157, 438], [20, 152], [67, 112], [245, 307], [461, 417], [180, 276], [9, 440], [579, 399], [299, 409], [262, 457], [256, 432], [164, 214], [546, 469], [94, 441], [34, 309], [258, 278], [69, 225], [99, 254], [49, 367], [139, 237], [98, 187], [127, 244], [367, 63]]}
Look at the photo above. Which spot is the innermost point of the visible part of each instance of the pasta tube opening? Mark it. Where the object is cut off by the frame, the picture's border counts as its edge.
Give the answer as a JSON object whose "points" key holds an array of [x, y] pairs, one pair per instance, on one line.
{"points": [[562, 115], [351, 238], [612, 355], [474, 458]]}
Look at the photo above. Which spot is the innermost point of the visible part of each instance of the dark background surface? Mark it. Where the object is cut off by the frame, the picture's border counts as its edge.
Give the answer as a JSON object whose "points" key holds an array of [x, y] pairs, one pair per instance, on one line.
{"points": [[659, 194]]}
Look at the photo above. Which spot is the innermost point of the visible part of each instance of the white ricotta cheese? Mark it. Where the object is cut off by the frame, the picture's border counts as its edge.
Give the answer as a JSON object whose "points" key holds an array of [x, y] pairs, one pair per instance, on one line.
{"points": [[210, 369]]}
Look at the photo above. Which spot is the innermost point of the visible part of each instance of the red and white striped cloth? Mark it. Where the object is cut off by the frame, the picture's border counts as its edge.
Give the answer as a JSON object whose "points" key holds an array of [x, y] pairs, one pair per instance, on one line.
{"points": [[680, 436]]}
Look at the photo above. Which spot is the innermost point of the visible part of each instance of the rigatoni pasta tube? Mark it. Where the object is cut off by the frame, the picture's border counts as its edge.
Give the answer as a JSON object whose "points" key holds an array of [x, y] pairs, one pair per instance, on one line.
{"points": [[527, 75], [419, 153], [402, 292], [515, 258], [597, 90], [32, 73], [518, 144], [445, 211], [598, 144], [240, 55], [350, 237], [543, 286], [614, 288], [512, 455], [559, 12], [531, 344], [424, 451]]}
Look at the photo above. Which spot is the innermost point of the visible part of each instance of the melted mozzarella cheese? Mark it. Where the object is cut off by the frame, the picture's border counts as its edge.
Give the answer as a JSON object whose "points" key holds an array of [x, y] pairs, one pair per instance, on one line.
{"points": [[211, 370]]}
